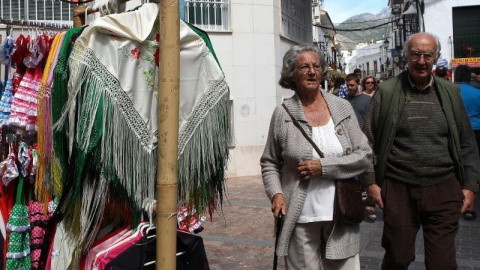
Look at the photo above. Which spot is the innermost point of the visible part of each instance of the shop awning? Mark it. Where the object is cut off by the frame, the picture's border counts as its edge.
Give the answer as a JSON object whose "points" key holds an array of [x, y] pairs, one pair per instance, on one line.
{"points": [[471, 62]]}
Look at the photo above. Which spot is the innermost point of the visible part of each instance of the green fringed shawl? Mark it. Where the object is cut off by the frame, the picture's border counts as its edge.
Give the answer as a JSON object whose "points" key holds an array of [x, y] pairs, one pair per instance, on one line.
{"points": [[59, 97], [111, 112]]}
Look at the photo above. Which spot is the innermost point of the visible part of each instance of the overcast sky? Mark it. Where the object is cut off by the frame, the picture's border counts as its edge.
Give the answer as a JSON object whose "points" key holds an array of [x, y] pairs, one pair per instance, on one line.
{"points": [[340, 10]]}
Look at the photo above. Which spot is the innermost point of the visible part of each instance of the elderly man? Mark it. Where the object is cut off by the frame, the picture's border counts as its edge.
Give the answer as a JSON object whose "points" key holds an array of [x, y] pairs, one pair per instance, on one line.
{"points": [[426, 160]]}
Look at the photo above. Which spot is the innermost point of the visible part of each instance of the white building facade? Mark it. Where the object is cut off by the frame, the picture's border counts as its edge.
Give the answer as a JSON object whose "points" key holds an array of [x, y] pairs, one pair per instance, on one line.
{"points": [[456, 36], [454, 22], [250, 38], [368, 58]]}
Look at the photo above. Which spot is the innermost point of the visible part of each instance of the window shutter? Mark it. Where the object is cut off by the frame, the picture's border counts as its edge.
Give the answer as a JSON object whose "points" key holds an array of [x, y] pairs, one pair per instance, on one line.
{"points": [[466, 31]]}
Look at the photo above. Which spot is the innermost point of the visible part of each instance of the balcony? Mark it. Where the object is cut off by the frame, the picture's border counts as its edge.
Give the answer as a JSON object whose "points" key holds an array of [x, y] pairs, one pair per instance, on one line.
{"points": [[466, 46]]}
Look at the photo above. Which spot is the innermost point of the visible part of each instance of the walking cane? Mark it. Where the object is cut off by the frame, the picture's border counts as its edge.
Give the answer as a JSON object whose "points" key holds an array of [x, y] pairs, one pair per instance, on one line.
{"points": [[277, 234]]}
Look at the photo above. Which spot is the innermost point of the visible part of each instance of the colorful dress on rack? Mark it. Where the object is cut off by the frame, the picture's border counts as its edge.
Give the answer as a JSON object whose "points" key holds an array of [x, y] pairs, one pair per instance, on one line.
{"points": [[18, 253], [43, 187], [6, 103], [6, 51], [24, 104]]}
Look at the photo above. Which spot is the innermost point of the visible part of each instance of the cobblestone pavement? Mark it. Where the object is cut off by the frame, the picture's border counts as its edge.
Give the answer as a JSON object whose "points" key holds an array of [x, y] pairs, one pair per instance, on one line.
{"points": [[241, 237]]}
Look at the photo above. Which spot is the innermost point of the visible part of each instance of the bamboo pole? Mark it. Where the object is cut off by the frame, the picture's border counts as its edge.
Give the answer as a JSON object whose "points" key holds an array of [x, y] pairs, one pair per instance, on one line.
{"points": [[168, 105], [79, 16]]}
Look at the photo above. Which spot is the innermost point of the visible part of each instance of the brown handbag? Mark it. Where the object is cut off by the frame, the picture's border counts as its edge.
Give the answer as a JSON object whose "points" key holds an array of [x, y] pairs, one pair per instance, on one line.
{"points": [[348, 206]]}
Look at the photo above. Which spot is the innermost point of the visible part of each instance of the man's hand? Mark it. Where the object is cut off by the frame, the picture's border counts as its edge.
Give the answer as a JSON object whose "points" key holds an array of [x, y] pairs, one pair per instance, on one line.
{"points": [[278, 204], [469, 199], [309, 168], [373, 192]]}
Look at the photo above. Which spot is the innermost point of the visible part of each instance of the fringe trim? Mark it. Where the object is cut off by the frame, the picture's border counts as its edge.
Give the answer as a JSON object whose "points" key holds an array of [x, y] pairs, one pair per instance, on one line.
{"points": [[93, 203], [204, 149], [130, 152], [127, 149]]}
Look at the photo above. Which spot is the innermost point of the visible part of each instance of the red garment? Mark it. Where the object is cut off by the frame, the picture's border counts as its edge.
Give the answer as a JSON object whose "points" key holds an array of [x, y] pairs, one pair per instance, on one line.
{"points": [[113, 251], [7, 199], [24, 104], [21, 50], [103, 243]]}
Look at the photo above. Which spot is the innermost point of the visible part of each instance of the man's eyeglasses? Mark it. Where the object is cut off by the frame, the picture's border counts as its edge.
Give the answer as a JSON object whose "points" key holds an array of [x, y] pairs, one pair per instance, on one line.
{"points": [[370, 82], [415, 56]]}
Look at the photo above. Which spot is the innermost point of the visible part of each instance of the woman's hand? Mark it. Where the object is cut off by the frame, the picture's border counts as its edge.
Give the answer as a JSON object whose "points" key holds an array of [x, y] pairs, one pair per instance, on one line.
{"points": [[374, 195], [278, 204], [309, 168]]}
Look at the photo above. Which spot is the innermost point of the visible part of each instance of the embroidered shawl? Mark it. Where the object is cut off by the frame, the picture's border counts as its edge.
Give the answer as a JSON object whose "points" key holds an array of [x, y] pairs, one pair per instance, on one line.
{"points": [[111, 112]]}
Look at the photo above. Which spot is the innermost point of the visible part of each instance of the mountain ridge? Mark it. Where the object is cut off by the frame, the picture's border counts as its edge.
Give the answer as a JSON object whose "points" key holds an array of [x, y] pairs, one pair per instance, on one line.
{"points": [[365, 20]]}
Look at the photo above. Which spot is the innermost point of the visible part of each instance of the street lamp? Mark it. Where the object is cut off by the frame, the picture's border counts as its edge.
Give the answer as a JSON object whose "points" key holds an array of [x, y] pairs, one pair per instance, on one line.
{"points": [[326, 40], [386, 43]]}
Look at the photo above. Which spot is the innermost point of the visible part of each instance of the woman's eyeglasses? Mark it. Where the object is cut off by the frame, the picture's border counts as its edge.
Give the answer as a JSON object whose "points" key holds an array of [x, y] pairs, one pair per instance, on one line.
{"points": [[369, 82]]}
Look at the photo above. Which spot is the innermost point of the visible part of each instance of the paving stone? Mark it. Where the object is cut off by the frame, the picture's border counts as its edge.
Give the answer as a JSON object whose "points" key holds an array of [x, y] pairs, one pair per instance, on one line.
{"points": [[241, 235]]}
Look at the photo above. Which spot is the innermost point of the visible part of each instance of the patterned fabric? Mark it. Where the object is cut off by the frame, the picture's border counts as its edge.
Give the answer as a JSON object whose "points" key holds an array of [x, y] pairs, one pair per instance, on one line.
{"points": [[20, 52], [6, 51], [11, 173], [6, 103], [343, 91], [24, 103], [18, 253], [37, 52], [38, 221]]}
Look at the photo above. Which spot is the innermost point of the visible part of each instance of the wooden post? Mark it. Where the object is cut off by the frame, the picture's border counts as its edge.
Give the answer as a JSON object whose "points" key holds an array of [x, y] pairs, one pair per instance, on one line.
{"points": [[79, 15], [168, 106]]}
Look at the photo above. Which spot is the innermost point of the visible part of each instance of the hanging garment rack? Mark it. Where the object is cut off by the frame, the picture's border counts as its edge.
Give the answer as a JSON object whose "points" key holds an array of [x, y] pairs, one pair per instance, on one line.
{"points": [[80, 12], [39, 24], [111, 6]]}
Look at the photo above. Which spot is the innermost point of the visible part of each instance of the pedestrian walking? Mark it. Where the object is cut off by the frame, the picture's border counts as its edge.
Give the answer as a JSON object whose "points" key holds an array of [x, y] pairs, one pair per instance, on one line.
{"points": [[299, 183], [426, 159], [471, 99]]}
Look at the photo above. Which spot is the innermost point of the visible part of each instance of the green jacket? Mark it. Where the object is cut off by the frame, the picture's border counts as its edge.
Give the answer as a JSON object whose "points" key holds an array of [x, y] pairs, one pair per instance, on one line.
{"points": [[462, 146]]}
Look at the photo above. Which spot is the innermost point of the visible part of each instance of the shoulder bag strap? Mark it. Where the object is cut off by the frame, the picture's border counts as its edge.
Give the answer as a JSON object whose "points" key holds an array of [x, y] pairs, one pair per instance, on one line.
{"points": [[295, 122]]}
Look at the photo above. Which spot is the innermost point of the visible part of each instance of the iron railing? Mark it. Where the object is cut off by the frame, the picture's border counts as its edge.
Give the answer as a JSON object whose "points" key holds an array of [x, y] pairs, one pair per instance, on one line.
{"points": [[36, 10], [208, 14]]}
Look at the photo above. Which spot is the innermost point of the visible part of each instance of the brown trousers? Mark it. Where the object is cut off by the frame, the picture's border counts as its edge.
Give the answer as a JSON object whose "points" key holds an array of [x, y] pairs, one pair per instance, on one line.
{"points": [[407, 207]]}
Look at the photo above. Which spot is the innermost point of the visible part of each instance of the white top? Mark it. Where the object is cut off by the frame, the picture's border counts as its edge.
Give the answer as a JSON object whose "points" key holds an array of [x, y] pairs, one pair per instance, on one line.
{"points": [[318, 204]]}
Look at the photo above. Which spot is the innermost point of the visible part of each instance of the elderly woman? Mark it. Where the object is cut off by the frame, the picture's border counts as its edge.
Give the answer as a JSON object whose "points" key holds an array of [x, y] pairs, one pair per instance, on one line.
{"points": [[369, 84], [298, 182]]}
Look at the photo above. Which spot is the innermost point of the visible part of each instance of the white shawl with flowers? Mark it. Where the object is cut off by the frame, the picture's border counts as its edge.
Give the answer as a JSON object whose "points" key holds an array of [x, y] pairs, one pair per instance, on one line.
{"points": [[113, 74]]}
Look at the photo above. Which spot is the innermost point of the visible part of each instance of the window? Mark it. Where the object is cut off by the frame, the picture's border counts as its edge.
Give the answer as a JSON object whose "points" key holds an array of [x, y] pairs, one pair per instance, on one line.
{"points": [[297, 20], [466, 27], [35, 10], [208, 14]]}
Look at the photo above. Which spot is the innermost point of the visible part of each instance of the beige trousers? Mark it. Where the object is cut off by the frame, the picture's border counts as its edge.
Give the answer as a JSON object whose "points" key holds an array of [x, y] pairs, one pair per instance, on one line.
{"points": [[306, 250]]}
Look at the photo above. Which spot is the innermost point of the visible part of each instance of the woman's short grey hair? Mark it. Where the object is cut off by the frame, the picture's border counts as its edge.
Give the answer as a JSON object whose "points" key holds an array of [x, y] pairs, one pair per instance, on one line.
{"points": [[406, 45], [290, 64]]}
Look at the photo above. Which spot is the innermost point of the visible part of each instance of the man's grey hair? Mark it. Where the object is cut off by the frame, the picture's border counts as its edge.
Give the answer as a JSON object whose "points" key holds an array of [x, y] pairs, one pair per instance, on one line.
{"points": [[290, 64], [406, 46]]}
